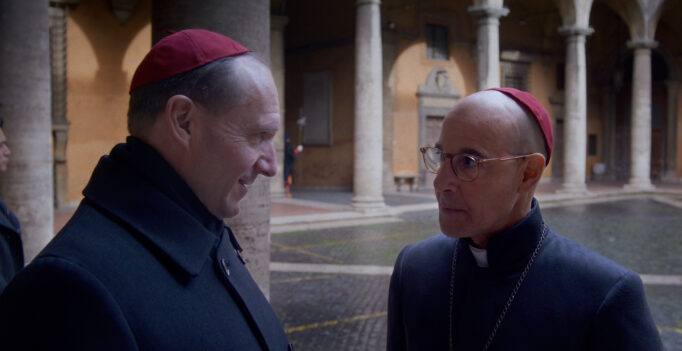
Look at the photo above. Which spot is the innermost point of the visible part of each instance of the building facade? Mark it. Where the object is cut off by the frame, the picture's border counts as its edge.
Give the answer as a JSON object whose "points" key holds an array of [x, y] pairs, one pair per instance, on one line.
{"points": [[363, 84]]}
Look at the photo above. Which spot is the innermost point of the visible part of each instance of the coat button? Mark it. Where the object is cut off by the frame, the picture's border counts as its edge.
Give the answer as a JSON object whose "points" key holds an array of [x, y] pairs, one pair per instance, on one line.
{"points": [[225, 265]]}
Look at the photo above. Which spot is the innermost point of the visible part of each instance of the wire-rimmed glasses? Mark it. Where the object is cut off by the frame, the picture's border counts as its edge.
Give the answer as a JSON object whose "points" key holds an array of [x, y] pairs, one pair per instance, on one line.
{"points": [[465, 166]]}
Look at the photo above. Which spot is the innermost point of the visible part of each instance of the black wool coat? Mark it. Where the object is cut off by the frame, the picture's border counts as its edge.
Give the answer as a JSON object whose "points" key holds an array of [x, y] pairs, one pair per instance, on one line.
{"points": [[142, 265], [572, 298], [11, 249]]}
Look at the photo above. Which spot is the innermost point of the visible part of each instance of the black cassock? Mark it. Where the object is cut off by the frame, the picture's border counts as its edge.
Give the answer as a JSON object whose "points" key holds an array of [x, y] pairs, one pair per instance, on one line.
{"points": [[141, 265], [572, 298]]}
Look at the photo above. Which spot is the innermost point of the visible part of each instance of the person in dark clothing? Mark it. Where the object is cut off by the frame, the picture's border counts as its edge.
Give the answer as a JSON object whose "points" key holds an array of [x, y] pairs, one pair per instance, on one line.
{"points": [[499, 278], [289, 163], [146, 262], [11, 248]]}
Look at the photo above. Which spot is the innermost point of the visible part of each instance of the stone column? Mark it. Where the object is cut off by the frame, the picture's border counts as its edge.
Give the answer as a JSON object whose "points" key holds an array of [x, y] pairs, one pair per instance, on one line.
{"points": [[575, 110], [488, 44], [670, 175], [26, 186], [367, 175], [248, 22], [640, 142], [60, 125], [277, 24]]}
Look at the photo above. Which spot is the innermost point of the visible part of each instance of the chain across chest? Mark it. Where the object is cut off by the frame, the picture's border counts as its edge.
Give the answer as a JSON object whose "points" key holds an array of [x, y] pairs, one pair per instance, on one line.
{"points": [[509, 302]]}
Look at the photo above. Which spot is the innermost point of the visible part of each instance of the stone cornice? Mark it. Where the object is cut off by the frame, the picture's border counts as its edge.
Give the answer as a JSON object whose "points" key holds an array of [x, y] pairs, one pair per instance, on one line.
{"points": [[367, 2], [488, 11], [642, 44], [575, 30]]}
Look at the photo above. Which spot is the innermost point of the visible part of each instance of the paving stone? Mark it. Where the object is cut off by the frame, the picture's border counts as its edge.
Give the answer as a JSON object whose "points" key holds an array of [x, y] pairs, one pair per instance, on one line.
{"points": [[347, 312]]}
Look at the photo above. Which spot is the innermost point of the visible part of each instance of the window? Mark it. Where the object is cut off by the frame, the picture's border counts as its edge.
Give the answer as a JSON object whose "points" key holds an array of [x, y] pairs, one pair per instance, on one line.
{"points": [[316, 108], [515, 75], [592, 145], [436, 42], [514, 67], [560, 76]]}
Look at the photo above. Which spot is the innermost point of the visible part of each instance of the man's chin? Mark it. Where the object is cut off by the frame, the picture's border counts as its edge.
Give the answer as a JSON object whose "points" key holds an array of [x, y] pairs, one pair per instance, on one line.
{"points": [[231, 211], [456, 235], [453, 231]]}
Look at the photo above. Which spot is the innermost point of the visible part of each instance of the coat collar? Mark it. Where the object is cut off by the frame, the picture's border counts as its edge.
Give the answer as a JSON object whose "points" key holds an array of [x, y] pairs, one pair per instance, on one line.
{"points": [[510, 249], [135, 184]]}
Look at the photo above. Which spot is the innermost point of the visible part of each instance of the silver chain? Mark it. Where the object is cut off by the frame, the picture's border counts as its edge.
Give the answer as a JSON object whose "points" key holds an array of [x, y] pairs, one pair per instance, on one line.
{"points": [[509, 300]]}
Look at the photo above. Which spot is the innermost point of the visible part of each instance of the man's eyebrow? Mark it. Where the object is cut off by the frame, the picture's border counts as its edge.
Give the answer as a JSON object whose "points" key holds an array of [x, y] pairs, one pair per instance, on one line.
{"points": [[473, 152]]}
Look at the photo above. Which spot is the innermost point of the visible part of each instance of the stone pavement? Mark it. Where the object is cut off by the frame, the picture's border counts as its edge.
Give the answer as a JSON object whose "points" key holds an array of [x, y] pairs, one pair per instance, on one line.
{"points": [[331, 266]]}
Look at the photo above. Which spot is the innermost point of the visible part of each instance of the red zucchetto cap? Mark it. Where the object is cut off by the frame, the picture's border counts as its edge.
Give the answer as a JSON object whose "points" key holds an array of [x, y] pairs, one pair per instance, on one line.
{"points": [[184, 51], [528, 102]]}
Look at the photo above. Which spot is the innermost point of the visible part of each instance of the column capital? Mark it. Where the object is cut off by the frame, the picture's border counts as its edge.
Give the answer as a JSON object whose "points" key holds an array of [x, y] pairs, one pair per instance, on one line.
{"points": [[642, 44], [367, 2], [575, 30], [488, 11]]}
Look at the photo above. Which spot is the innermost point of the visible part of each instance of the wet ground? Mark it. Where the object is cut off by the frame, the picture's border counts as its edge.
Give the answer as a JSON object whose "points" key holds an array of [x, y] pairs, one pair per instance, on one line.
{"points": [[335, 310]]}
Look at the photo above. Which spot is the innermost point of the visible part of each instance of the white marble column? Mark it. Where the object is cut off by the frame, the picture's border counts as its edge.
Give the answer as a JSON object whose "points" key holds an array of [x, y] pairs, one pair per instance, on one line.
{"points": [[670, 175], [640, 140], [26, 186], [367, 176], [277, 24], [575, 116], [488, 44]]}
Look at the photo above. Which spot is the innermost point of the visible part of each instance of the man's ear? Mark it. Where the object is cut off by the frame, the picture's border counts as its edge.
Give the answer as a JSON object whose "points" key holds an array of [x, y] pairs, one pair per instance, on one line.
{"points": [[533, 165], [178, 115]]}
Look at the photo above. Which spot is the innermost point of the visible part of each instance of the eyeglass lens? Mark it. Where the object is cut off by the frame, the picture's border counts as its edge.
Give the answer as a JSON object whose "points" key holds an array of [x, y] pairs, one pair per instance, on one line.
{"points": [[464, 166]]}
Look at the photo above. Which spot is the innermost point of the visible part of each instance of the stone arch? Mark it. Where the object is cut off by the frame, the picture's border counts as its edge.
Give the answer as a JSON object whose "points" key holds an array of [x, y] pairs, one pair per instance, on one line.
{"points": [[98, 85]]}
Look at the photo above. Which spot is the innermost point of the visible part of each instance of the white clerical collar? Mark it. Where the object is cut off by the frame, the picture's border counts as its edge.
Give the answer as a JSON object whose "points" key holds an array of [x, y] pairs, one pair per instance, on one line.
{"points": [[481, 256]]}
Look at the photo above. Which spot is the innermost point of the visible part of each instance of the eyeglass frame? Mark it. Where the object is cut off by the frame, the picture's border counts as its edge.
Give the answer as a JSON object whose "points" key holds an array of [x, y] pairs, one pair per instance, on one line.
{"points": [[476, 159]]}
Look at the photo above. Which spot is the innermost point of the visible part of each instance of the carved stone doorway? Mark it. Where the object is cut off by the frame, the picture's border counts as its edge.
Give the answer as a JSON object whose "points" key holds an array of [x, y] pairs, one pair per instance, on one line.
{"points": [[436, 99]]}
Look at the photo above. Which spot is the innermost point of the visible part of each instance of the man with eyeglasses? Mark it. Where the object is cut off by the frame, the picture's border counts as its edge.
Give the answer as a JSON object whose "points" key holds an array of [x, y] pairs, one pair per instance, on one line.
{"points": [[498, 278]]}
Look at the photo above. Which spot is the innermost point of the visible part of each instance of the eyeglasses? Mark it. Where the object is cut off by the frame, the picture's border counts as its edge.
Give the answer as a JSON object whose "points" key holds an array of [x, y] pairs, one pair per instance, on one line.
{"points": [[464, 166]]}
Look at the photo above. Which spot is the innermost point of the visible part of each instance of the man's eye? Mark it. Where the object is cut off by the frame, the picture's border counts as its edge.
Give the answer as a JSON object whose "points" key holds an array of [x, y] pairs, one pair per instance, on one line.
{"points": [[266, 136], [466, 161]]}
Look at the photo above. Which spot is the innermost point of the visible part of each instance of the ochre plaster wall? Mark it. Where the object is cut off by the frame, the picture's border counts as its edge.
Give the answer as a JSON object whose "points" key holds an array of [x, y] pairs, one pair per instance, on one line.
{"points": [[102, 55], [410, 70], [541, 84], [324, 166]]}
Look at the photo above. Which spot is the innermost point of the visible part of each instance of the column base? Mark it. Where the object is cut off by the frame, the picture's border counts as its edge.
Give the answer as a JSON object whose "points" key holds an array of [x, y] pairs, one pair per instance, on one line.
{"points": [[639, 184], [369, 204], [573, 189], [277, 194], [671, 177]]}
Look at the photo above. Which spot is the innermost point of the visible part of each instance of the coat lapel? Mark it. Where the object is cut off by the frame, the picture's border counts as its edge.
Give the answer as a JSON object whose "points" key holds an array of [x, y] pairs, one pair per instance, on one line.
{"points": [[247, 294]]}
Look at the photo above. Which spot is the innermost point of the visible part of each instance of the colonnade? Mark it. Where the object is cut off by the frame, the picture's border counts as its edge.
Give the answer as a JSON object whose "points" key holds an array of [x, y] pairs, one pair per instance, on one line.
{"points": [[575, 16], [25, 102]]}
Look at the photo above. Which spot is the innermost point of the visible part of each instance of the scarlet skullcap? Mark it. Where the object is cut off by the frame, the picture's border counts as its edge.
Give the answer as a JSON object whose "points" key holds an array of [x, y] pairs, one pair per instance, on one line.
{"points": [[528, 102], [184, 51]]}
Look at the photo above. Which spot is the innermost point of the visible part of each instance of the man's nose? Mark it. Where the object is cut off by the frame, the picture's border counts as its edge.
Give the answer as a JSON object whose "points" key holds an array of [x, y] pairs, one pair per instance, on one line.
{"points": [[445, 179], [267, 163]]}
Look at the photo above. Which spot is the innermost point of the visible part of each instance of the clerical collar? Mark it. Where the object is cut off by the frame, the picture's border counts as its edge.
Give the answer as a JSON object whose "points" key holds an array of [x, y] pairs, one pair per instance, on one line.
{"points": [[509, 249], [149, 163], [480, 255]]}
